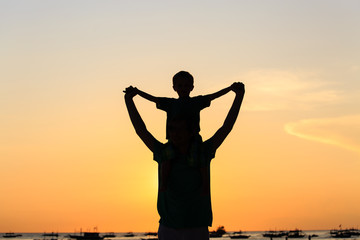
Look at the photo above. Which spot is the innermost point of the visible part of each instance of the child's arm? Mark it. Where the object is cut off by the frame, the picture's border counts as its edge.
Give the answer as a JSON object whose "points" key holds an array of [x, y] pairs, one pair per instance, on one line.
{"points": [[147, 96], [136, 120], [218, 94], [231, 117]]}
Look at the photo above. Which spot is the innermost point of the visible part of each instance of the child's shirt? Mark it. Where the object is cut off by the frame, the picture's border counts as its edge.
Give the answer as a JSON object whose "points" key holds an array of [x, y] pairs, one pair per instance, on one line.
{"points": [[183, 106]]}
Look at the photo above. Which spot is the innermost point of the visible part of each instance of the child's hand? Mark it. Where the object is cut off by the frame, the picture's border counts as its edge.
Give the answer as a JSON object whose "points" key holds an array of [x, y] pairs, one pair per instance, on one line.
{"points": [[238, 87], [130, 92]]}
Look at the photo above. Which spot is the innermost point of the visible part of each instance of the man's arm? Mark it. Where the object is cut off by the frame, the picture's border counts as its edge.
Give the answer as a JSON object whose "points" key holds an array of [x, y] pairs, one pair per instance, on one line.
{"points": [[218, 94], [231, 117], [136, 119]]}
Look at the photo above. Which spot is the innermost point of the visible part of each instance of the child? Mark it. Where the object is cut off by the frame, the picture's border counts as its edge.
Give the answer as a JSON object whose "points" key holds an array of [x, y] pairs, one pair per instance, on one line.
{"points": [[189, 108], [183, 84]]}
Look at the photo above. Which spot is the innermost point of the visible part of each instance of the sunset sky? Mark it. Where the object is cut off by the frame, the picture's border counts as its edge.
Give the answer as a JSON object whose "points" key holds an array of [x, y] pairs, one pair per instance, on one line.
{"points": [[70, 158]]}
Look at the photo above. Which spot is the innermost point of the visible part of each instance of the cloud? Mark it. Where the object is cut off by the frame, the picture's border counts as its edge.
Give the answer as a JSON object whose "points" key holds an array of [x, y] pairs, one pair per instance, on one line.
{"points": [[342, 131], [355, 68], [284, 90]]}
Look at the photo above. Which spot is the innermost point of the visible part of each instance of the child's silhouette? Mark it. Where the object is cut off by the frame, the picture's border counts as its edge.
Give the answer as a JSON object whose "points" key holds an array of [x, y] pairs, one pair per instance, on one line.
{"points": [[183, 84], [189, 107]]}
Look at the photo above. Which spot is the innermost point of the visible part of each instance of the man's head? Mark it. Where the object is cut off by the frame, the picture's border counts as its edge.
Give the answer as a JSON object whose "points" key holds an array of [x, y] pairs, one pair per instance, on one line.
{"points": [[183, 83], [181, 129]]}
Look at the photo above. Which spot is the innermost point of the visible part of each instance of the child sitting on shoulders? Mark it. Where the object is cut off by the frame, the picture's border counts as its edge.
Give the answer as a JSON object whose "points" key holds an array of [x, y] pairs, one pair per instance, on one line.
{"points": [[189, 108]]}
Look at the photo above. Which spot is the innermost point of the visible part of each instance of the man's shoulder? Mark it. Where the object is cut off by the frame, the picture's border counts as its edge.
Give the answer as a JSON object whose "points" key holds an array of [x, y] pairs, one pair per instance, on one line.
{"points": [[163, 151], [208, 148], [159, 145], [207, 143]]}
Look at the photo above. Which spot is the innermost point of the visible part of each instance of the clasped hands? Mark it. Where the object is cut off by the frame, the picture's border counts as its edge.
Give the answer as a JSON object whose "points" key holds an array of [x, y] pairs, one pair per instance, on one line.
{"points": [[238, 87], [130, 91]]}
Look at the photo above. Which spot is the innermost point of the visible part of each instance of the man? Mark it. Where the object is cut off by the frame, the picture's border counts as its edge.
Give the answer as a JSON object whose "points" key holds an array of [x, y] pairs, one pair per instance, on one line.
{"points": [[184, 202]]}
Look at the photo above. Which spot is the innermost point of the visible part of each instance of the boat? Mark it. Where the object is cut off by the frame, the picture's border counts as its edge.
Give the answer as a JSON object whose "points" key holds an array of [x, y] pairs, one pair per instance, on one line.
{"points": [[11, 235], [151, 234], [52, 234], [220, 231], [129, 234], [340, 233], [239, 235], [87, 236], [109, 235], [295, 234], [344, 233], [354, 231], [274, 234], [48, 236]]}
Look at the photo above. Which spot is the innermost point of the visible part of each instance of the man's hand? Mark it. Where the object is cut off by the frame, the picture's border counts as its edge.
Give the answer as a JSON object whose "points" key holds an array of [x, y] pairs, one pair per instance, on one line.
{"points": [[130, 92], [238, 87]]}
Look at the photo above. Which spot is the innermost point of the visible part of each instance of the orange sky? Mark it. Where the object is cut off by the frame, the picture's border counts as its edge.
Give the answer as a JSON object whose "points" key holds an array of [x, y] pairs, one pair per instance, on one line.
{"points": [[70, 159]]}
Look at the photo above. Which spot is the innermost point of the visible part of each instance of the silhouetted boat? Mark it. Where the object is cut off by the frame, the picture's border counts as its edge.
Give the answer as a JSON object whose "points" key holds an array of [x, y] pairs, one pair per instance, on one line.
{"points": [[109, 235], [340, 233], [11, 235], [220, 231], [354, 231], [295, 234], [87, 236], [274, 234], [129, 234], [48, 236], [151, 234], [52, 234], [344, 233], [239, 235]]}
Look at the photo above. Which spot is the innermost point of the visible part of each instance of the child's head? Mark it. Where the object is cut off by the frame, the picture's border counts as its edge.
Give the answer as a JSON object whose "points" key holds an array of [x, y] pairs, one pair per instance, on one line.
{"points": [[183, 83]]}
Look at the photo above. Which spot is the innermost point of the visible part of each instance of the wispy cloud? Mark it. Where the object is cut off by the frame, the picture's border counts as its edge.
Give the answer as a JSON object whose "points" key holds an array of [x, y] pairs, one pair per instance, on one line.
{"points": [[284, 90], [355, 68], [342, 131]]}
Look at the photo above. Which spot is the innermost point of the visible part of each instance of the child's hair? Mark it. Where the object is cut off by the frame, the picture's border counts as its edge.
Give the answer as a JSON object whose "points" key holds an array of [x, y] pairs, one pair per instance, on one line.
{"points": [[182, 75]]}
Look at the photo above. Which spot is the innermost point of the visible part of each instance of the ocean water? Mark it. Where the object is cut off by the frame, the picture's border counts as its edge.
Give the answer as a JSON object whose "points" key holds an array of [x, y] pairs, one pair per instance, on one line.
{"points": [[322, 235]]}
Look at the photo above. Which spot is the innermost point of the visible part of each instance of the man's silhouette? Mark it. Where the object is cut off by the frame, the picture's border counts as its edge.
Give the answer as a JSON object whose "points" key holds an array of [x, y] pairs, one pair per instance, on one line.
{"points": [[184, 202]]}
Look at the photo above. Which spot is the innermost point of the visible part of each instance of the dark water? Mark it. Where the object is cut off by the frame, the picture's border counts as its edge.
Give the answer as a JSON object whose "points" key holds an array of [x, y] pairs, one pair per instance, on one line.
{"points": [[322, 235]]}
